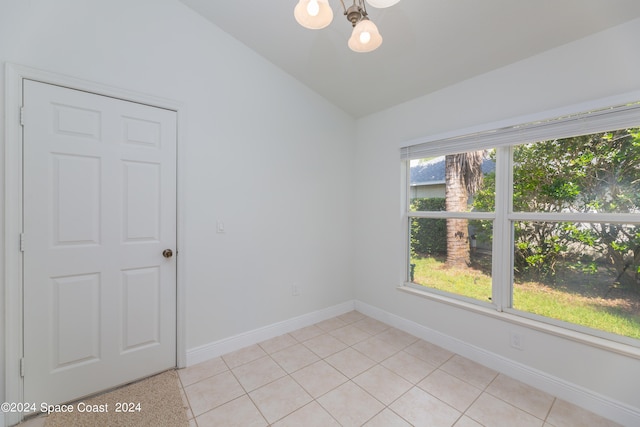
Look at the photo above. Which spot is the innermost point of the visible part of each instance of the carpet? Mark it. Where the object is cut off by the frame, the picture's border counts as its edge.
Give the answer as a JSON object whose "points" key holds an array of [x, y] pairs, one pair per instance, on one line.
{"points": [[159, 399]]}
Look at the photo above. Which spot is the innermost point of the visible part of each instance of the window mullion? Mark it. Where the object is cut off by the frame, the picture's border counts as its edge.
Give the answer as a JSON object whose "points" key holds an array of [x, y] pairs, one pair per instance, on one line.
{"points": [[609, 217], [406, 220], [502, 264], [453, 215]]}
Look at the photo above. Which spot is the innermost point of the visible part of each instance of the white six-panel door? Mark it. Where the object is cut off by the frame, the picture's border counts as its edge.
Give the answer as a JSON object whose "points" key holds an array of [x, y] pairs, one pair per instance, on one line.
{"points": [[99, 210]]}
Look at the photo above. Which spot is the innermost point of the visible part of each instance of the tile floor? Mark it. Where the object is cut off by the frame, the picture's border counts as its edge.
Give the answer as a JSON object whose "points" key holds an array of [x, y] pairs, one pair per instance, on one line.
{"points": [[352, 370]]}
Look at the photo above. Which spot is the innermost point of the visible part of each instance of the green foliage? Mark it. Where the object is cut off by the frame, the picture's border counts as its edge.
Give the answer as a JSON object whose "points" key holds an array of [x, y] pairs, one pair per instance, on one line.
{"points": [[428, 235], [537, 250], [590, 173], [485, 201]]}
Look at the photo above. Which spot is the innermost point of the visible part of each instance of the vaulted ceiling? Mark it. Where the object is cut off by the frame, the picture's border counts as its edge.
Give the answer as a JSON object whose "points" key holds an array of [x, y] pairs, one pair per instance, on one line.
{"points": [[428, 44]]}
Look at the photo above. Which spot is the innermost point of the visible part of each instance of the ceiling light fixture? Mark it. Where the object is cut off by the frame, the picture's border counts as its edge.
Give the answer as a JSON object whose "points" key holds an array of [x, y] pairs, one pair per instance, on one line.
{"points": [[317, 14]]}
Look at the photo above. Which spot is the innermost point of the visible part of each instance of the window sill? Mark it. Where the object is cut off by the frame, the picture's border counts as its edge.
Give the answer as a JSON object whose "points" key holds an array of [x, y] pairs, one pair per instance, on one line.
{"points": [[580, 337]]}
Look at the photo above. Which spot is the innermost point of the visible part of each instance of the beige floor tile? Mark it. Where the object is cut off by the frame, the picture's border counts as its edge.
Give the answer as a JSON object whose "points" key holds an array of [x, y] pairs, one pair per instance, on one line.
{"points": [[279, 398], [387, 418], [376, 349], [565, 414], [465, 421], [325, 345], [203, 370], [420, 408], [350, 335], [422, 384], [294, 358], [408, 366], [491, 411], [371, 326], [278, 343], [351, 317], [244, 355], [350, 405], [383, 384], [240, 412], [311, 415], [306, 333], [331, 324], [428, 352], [350, 362], [527, 398], [451, 390], [319, 378], [396, 338], [469, 371], [255, 374], [212, 392]]}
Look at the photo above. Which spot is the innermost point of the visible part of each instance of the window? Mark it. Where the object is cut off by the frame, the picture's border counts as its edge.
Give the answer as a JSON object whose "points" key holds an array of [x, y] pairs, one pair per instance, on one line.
{"points": [[450, 232], [541, 220]]}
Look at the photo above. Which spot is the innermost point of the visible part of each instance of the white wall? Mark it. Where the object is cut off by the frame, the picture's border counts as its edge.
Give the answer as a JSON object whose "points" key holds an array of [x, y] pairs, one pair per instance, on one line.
{"points": [[603, 65], [265, 155], [244, 134]]}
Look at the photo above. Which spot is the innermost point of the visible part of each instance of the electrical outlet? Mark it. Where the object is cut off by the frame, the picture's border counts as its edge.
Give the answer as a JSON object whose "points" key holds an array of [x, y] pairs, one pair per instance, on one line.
{"points": [[516, 340], [295, 290]]}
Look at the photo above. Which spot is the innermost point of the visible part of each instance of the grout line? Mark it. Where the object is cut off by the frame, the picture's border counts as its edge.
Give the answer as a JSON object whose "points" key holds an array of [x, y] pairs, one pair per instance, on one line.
{"points": [[368, 330]]}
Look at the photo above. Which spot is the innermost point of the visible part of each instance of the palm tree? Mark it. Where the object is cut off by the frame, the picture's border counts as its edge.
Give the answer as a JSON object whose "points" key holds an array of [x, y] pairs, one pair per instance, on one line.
{"points": [[463, 178]]}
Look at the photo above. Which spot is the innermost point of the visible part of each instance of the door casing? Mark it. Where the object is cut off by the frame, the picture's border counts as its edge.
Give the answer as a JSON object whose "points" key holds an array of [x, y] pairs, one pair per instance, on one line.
{"points": [[14, 76]]}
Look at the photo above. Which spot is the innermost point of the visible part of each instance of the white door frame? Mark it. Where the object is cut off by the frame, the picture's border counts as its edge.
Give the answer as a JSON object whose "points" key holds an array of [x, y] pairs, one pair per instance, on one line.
{"points": [[14, 75]]}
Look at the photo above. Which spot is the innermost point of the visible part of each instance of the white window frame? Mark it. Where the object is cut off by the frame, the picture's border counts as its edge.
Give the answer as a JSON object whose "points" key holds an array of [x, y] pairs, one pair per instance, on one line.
{"points": [[583, 119]]}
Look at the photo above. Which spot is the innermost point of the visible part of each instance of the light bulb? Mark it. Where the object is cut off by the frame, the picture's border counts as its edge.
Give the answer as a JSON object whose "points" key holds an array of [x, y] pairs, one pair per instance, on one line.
{"points": [[313, 14], [313, 8], [365, 37]]}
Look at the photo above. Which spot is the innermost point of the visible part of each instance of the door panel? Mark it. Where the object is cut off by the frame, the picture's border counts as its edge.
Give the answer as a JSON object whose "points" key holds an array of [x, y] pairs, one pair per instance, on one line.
{"points": [[76, 320], [75, 182], [141, 183], [99, 209], [141, 308]]}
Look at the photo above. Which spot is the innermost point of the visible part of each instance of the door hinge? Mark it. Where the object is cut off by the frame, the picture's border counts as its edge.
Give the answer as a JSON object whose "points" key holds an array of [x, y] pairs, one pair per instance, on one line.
{"points": [[21, 242], [21, 116], [22, 367]]}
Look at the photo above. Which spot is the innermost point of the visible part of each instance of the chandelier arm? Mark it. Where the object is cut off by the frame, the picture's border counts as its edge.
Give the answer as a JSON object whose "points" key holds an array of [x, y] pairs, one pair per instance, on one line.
{"points": [[344, 7], [364, 8]]}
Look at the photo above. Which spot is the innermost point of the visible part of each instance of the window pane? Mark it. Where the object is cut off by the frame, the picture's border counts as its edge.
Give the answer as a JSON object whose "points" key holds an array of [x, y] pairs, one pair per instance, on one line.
{"points": [[456, 183], [590, 174], [441, 259], [583, 273]]}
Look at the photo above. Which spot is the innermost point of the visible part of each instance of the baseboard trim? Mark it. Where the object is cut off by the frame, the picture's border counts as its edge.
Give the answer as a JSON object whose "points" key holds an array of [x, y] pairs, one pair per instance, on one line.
{"points": [[588, 399], [227, 345]]}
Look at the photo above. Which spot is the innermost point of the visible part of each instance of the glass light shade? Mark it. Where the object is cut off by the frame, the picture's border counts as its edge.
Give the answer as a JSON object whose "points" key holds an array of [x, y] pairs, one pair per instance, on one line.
{"points": [[365, 37], [303, 14], [381, 4]]}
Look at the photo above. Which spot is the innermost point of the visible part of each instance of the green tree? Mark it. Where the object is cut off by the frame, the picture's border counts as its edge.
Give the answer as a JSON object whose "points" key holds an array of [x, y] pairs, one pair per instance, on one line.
{"points": [[463, 178], [428, 235], [590, 173]]}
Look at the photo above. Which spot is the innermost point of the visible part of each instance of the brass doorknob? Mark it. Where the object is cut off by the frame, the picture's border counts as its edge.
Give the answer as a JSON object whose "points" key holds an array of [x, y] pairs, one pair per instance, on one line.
{"points": [[167, 253]]}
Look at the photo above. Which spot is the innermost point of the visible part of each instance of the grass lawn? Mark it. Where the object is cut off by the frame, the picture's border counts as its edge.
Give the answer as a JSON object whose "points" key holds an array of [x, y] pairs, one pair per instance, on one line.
{"points": [[619, 316]]}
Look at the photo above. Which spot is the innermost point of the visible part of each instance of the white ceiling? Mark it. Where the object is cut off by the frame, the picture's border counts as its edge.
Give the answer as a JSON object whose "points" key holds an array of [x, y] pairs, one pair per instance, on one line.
{"points": [[428, 44]]}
